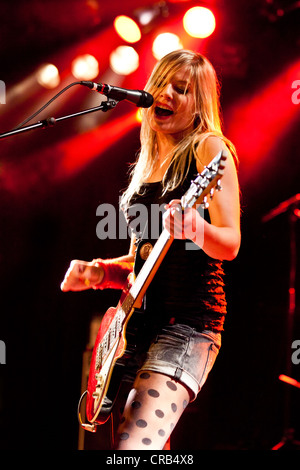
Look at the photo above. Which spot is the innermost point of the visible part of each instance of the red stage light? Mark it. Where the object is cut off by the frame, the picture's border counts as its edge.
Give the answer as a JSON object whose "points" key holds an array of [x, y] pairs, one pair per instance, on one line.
{"points": [[85, 67], [289, 380], [48, 76], [127, 29], [199, 22], [165, 43], [124, 60]]}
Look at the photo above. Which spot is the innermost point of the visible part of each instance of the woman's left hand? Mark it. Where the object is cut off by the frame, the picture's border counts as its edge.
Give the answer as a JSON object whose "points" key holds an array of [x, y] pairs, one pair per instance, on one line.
{"points": [[184, 224]]}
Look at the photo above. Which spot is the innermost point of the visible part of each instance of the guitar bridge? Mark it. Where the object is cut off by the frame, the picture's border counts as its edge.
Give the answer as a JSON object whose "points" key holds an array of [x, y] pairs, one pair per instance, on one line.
{"points": [[99, 387]]}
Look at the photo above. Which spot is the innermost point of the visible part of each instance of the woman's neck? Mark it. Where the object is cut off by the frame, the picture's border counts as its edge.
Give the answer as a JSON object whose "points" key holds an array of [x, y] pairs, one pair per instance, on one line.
{"points": [[165, 150], [165, 144]]}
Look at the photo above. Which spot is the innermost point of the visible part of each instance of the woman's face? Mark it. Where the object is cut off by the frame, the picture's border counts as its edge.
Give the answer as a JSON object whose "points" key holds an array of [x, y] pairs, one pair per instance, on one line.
{"points": [[173, 110]]}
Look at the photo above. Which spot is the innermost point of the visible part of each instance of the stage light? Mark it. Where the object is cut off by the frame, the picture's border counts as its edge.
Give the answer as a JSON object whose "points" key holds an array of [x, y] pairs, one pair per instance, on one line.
{"points": [[147, 15], [289, 380], [199, 22], [85, 67], [124, 60], [165, 43], [48, 76], [127, 29], [139, 116]]}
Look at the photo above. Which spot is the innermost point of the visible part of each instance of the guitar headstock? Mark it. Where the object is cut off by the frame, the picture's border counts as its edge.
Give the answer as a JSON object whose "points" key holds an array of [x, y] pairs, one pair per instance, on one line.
{"points": [[205, 183]]}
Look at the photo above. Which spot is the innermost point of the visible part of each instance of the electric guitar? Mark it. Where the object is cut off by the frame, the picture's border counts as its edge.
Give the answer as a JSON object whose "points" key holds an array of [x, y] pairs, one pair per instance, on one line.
{"points": [[110, 344]]}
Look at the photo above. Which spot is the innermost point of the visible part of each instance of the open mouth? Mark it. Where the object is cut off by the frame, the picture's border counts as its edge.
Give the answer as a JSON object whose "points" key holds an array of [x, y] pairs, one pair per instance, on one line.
{"points": [[161, 111]]}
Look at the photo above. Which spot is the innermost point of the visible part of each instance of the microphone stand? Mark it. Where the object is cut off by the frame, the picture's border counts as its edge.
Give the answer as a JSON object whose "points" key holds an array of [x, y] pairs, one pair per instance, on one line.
{"points": [[290, 206], [50, 122]]}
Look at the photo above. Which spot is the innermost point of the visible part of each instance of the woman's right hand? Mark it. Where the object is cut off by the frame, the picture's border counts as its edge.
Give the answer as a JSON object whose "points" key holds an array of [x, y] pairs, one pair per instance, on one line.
{"points": [[82, 275]]}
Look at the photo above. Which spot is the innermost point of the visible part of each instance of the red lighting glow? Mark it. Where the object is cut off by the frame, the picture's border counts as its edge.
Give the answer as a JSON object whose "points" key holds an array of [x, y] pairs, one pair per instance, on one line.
{"points": [[82, 149], [259, 121], [289, 380], [71, 156]]}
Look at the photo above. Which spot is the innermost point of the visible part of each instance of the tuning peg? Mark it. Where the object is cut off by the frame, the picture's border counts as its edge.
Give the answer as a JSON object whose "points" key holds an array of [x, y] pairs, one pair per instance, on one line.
{"points": [[205, 204], [219, 187], [211, 193]]}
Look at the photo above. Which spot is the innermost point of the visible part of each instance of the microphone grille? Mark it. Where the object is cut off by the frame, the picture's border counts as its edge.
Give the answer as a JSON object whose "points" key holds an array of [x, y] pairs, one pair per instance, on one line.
{"points": [[146, 100]]}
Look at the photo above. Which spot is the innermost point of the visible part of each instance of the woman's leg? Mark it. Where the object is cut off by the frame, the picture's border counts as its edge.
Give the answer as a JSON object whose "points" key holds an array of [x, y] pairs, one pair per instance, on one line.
{"points": [[152, 410]]}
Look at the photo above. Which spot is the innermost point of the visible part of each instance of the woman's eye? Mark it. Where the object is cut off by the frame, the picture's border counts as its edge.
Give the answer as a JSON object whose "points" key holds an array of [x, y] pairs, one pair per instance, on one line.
{"points": [[181, 90]]}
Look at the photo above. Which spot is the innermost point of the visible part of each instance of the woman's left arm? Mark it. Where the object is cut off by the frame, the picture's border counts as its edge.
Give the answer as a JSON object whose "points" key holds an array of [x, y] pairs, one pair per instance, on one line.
{"points": [[221, 237]]}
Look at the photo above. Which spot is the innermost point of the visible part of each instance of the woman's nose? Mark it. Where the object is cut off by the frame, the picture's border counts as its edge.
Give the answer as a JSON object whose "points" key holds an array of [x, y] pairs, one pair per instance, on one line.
{"points": [[167, 91]]}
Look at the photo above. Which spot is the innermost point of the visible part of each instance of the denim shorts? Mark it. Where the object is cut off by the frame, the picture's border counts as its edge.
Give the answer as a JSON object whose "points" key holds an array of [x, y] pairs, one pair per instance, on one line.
{"points": [[184, 354]]}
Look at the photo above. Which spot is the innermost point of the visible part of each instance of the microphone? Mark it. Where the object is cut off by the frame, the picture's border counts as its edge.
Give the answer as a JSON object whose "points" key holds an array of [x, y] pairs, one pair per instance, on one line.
{"points": [[141, 98]]}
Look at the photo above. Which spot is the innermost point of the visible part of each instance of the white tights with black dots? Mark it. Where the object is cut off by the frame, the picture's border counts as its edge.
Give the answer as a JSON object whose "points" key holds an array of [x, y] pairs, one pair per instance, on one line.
{"points": [[153, 408]]}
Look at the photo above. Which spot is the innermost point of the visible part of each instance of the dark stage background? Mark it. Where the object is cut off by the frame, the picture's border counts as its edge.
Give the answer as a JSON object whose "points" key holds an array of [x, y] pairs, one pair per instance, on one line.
{"points": [[48, 217]]}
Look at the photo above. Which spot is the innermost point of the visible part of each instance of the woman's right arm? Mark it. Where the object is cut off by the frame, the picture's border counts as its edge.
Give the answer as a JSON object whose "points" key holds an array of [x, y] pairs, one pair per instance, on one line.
{"points": [[99, 273]]}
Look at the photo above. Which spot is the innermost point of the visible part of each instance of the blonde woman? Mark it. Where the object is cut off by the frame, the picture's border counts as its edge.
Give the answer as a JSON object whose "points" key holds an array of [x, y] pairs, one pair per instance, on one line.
{"points": [[179, 333]]}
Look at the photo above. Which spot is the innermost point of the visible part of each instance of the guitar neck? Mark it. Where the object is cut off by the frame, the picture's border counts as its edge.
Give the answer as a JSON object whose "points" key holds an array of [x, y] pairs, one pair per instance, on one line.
{"points": [[148, 271]]}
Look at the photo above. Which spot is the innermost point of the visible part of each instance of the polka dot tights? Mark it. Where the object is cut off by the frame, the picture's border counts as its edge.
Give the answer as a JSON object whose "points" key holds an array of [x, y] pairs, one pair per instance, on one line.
{"points": [[153, 407]]}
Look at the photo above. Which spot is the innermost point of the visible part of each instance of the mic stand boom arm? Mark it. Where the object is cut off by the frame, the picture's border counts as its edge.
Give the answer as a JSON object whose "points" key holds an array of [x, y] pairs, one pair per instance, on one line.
{"points": [[50, 122]]}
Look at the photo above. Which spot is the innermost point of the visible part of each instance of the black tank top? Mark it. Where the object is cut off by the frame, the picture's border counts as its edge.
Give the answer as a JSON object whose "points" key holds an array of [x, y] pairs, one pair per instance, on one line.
{"points": [[188, 287]]}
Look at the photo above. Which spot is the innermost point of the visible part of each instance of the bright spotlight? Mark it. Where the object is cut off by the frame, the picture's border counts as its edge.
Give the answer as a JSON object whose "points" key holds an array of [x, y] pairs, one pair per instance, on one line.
{"points": [[139, 115], [199, 22], [124, 60], [127, 29], [165, 43], [48, 76], [85, 67]]}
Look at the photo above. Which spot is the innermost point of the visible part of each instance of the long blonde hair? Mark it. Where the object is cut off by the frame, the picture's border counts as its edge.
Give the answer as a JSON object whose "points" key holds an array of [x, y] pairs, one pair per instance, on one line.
{"points": [[206, 117]]}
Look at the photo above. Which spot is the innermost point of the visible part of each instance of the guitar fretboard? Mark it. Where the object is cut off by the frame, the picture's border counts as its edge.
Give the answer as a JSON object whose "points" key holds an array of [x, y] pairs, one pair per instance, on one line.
{"points": [[148, 269]]}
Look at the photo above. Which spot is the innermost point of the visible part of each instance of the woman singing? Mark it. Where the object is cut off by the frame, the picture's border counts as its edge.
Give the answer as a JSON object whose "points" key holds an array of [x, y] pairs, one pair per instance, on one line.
{"points": [[184, 309]]}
